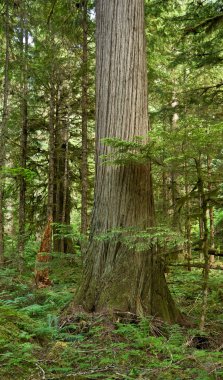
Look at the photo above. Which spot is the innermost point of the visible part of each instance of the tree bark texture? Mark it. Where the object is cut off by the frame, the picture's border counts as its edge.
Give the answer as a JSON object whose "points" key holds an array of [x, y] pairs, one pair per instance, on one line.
{"points": [[84, 133], [41, 272], [51, 149], [3, 129], [188, 255], [23, 139], [61, 203], [211, 210], [205, 245], [173, 175], [117, 277]]}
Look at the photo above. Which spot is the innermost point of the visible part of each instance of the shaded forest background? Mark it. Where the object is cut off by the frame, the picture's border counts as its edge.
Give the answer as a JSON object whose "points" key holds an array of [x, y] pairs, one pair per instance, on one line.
{"points": [[47, 133]]}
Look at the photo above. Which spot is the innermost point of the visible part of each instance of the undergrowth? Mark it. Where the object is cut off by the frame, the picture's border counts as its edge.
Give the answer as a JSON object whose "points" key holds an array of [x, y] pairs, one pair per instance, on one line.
{"points": [[40, 340]]}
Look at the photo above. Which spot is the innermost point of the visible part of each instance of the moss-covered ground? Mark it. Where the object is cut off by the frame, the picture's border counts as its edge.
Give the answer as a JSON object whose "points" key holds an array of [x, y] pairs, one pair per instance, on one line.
{"points": [[43, 338]]}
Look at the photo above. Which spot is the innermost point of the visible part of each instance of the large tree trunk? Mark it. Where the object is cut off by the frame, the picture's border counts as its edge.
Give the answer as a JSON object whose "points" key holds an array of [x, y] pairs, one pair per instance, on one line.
{"points": [[117, 277]]}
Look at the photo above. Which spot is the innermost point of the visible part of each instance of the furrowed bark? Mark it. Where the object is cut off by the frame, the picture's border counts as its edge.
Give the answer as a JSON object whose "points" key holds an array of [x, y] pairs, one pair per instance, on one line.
{"points": [[205, 248], [23, 140], [84, 134], [117, 277], [3, 129]]}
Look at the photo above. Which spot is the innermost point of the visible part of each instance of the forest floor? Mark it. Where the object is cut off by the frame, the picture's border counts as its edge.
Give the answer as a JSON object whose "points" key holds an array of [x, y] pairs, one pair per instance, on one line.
{"points": [[42, 339]]}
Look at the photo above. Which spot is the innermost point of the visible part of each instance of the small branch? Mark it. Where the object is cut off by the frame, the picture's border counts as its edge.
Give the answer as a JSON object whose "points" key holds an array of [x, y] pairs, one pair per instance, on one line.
{"points": [[92, 371], [51, 12], [201, 266], [211, 251], [42, 371]]}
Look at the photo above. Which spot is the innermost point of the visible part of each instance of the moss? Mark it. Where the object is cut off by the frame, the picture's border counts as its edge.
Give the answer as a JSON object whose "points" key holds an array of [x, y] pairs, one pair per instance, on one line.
{"points": [[18, 342]]}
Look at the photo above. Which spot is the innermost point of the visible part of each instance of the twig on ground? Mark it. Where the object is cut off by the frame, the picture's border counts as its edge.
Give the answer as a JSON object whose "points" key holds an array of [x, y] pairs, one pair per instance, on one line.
{"points": [[92, 371], [42, 371]]}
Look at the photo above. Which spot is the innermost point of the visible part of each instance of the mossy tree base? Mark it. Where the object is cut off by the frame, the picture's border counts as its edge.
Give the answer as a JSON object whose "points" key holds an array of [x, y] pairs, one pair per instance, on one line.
{"points": [[126, 281]]}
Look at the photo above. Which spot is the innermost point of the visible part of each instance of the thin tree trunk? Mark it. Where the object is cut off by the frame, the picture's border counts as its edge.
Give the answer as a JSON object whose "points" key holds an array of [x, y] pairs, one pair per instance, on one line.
{"points": [[173, 176], [201, 230], [3, 129], [164, 209], [164, 194], [204, 208], [212, 231], [211, 212], [57, 152], [51, 150], [23, 142], [201, 222], [188, 221], [84, 135], [43, 256], [41, 272], [65, 176], [58, 176], [68, 244], [61, 207], [117, 277]]}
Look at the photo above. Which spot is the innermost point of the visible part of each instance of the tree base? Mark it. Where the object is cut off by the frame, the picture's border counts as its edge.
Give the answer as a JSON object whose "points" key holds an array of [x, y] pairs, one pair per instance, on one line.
{"points": [[118, 279]]}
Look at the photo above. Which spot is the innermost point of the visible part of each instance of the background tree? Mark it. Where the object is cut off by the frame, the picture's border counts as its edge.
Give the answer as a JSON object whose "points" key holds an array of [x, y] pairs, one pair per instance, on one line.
{"points": [[24, 35], [3, 126], [84, 106]]}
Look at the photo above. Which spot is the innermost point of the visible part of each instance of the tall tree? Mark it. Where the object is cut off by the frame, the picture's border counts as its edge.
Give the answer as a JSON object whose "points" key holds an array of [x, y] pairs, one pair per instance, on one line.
{"points": [[24, 131], [61, 196], [84, 111], [3, 128], [117, 277]]}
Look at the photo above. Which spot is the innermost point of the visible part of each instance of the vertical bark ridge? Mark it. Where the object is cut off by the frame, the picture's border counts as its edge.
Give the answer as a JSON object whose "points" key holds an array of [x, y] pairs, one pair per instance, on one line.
{"points": [[84, 106], [3, 129], [117, 276]]}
